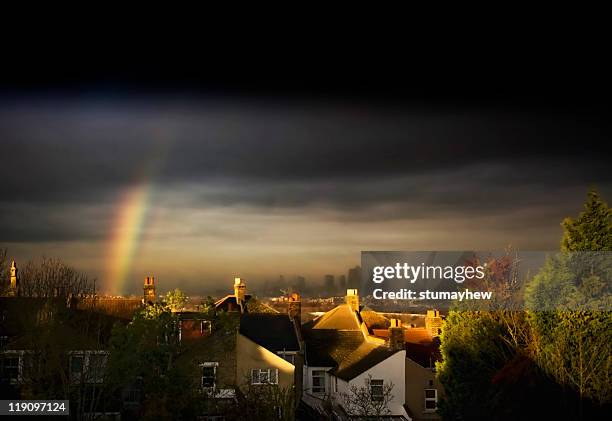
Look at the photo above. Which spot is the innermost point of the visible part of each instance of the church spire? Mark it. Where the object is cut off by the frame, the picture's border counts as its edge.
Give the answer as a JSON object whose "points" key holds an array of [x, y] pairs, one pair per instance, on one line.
{"points": [[14, 286]]}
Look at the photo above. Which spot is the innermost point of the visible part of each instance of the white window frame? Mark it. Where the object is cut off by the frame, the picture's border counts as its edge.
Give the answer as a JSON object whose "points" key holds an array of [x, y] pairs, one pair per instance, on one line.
{"points": [[256, 375], [434, 400], [377, 397], [213, 365], [322, 374]]}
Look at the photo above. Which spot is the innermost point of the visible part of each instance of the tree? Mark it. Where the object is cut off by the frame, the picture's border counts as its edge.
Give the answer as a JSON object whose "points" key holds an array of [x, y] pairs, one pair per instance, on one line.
{"points": [[368, 400], [570, 301], [592, 230], [52, 278], [175, 300], [146, 351]]}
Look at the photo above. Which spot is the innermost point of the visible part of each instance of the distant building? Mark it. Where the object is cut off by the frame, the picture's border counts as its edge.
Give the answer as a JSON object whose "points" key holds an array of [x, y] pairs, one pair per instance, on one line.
{"points": [[149, 296], [14, 283], [329, 285], [354, 278]]}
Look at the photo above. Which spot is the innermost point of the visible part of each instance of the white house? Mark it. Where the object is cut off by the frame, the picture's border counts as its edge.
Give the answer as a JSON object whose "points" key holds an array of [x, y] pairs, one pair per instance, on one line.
{"points": [[340, 353]]}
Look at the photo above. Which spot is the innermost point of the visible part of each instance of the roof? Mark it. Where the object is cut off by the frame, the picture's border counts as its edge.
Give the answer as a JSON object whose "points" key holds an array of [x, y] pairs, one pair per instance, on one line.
{"points": [[328, 347], [338, 318], [275, 332], [366, 356], [424, 354], [414, 335], [230, 298], [336, 340]]}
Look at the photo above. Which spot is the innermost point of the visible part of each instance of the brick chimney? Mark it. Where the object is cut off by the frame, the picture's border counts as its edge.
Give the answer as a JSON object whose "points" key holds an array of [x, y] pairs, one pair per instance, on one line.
{"points": [[396, 335], [149, 296], [433, 322], [294, 308], [352, 299], [239, 290]]}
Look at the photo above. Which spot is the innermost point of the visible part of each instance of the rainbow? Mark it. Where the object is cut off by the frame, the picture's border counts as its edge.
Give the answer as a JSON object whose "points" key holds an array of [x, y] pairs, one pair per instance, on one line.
{"points": [[130, 219], [126, 234]]}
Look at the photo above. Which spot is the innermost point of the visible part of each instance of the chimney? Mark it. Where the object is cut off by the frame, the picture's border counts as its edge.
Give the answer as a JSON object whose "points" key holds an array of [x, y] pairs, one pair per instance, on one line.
{"points": [[149, 296], [396, 335], [239, 290], [352, 299], [294, 308], [433, 322]]}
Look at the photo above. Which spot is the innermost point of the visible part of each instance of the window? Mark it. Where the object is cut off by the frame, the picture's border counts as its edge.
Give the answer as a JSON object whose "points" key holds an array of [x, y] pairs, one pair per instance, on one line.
{"points": [[3, 342], [264, 376], [77, 362], [377, 390], [287, 356], [95, 369], [209, 375], [318, 381], [31, 365], [205, 327], [133, 393], [431, 399], [10, 368], [88, 366]]}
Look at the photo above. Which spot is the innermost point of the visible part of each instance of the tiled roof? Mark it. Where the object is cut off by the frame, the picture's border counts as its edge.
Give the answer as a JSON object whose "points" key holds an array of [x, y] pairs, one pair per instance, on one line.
{"points": [[328, 347], [366, 356], [335, 340], [275, 332]]}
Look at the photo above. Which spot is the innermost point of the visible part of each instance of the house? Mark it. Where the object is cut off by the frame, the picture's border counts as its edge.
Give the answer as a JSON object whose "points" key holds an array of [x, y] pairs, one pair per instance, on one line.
{"points": [[268, 348], [235, 302], [238, 349], [50, 345], [341, 357], [423, 390]]}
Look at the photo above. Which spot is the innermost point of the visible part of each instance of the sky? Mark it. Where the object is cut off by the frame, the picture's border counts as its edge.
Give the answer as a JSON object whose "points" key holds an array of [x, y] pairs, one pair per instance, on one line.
{"points": [[197, 189], [197, 168]]}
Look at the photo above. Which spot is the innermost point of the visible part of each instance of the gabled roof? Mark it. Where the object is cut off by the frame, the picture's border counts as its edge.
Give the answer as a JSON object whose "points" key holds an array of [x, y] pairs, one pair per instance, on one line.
{"points": [[336, 340], [275, 332], [338, 318]]}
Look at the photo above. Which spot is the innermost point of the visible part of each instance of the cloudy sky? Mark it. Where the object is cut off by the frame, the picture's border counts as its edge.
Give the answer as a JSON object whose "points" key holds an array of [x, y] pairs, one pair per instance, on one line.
{"points": [[200, 188]]}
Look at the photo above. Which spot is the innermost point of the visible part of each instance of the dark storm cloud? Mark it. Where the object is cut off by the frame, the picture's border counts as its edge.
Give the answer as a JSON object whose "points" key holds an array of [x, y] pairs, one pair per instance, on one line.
{"points": [[418, 161]]}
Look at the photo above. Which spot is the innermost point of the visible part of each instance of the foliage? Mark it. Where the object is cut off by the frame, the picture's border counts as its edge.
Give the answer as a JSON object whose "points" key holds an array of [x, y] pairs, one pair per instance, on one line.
{"points": [[361, 401], [146, 351], [592, 230], [570, 300], [475, 346], [262, 402], [175, 300]]}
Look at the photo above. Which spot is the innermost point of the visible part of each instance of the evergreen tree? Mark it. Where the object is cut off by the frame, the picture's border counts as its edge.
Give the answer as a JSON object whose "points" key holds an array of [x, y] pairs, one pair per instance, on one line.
{"points": [[569, 302], [592, 230]]}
